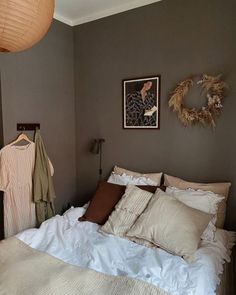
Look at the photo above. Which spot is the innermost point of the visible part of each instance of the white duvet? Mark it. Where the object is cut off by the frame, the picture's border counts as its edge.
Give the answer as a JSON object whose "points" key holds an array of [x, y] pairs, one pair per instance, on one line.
{"points": [[80, 243]]}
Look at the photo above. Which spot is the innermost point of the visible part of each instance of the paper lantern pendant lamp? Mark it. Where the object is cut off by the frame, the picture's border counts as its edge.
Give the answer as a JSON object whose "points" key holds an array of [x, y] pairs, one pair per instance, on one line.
{"points": [[23, 23]]}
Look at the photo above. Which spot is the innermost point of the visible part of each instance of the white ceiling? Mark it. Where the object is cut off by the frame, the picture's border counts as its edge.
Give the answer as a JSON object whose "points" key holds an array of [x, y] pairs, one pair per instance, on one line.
{"points": [[75, 12]]}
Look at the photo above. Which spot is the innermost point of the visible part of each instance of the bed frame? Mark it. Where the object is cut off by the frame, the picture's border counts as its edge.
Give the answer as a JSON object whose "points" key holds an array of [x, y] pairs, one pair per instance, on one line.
{"points": [[227, 285]]}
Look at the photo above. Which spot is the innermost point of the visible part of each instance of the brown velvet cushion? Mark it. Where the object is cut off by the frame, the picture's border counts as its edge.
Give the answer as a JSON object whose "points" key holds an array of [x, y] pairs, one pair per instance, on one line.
{"points": [[104, 200]]}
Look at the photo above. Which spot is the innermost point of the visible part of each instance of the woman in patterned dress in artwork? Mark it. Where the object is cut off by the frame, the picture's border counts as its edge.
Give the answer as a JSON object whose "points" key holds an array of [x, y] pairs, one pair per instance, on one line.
{"points": [[141, 106]]}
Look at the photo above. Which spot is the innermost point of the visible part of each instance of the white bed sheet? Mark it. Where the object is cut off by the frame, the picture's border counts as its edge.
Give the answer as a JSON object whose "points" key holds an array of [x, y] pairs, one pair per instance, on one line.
{"points": [[80, 243]]}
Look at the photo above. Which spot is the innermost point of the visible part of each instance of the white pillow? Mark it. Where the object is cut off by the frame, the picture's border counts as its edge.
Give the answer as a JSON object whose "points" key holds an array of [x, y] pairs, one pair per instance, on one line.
{"points": [[204, 201], [155, 176], [125, 179], [221, 188]]}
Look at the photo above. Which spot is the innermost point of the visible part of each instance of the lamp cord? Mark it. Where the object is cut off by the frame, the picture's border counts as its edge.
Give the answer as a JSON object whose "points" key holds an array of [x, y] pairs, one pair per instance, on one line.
{"points": [[100, 161]]}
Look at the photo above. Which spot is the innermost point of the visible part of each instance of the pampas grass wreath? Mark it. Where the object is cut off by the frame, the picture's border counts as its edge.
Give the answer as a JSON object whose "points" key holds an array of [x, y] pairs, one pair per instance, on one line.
{"points": [[213, 87]]}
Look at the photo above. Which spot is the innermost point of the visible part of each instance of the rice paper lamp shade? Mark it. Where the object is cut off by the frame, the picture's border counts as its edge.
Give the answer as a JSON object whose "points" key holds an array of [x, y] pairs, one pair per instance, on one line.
{"points": [[23, 23]]}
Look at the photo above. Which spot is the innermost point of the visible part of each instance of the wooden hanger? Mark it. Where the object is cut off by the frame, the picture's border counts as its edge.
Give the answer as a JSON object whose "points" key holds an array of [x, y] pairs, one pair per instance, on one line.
{"points": [[21, 137]]}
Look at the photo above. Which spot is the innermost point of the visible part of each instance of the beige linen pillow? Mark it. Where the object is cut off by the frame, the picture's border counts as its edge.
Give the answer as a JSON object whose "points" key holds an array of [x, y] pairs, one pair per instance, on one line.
{"points": [[127, 210], [220, 188], [156, 177], [205, 201], [171, 225]]}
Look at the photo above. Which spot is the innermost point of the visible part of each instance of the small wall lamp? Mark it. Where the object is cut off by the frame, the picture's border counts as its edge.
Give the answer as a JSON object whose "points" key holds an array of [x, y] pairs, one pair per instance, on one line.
{"points": [[96, 148]]}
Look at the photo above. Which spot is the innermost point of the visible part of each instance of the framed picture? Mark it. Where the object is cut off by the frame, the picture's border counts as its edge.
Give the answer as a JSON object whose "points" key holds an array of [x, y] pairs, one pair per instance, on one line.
{"points": [[141, 103]]}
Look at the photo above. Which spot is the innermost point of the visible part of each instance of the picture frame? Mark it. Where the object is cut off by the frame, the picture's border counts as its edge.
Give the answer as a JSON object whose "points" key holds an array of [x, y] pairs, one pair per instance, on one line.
{"points": [[141, 103]]}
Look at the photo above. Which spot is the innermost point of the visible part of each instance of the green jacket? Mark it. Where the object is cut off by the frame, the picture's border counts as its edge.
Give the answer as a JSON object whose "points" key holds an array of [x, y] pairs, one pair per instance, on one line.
{"points": [[43, 188]]}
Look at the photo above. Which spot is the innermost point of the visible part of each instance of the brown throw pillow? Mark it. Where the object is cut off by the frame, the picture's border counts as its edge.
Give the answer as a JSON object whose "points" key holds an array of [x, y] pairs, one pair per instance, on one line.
{"points": [[105, 199]]}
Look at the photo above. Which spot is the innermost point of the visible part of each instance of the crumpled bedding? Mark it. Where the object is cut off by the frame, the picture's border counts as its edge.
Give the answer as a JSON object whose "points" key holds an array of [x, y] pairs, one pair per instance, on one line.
{"points": [[80, 243]]}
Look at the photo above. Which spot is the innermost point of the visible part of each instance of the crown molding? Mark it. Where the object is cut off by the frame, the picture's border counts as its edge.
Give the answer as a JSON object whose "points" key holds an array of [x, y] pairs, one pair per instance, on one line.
{"points": [[104, 13], [63, 19]]}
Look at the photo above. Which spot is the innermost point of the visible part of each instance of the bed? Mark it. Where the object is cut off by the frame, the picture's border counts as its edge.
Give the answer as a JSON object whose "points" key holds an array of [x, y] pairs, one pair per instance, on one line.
{"points": [[80, 244], [227, 280]]}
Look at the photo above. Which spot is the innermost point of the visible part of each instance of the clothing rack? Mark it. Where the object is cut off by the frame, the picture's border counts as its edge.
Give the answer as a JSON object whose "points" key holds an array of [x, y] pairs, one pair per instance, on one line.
{"points": [[27, 126]]}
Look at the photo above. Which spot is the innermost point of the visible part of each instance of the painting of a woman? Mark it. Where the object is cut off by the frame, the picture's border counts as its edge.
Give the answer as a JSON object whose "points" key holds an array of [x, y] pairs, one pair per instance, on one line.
{"points": [[141, 103]]}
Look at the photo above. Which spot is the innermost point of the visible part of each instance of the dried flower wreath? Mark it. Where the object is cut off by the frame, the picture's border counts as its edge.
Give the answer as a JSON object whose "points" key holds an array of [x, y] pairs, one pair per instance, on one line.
{"points": [[214, 88]]}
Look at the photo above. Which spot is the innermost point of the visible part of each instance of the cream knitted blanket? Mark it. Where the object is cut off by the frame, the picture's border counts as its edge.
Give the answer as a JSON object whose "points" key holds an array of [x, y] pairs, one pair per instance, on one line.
{"points": [[26, 271]]}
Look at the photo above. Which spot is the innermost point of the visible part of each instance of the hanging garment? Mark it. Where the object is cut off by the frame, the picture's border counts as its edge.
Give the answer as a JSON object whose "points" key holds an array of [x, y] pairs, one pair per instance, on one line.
{"points": [[16, 170], [43, 192]]}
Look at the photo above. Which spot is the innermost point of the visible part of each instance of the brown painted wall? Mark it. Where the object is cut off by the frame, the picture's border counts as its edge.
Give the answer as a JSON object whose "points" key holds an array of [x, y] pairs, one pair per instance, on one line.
{"points": [[173, 39], [38, 86]]}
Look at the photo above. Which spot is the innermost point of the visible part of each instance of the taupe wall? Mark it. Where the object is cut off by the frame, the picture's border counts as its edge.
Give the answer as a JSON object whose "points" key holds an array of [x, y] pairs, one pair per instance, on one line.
{"points": [[174, 39], [38, 86]]}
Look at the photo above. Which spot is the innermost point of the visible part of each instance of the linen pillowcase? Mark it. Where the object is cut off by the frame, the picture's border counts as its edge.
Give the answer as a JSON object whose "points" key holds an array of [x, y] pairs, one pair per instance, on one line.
{"points": [[126, 212], [104, 200], [220, 188], [156, 177], [202, 200], [171, 225]]}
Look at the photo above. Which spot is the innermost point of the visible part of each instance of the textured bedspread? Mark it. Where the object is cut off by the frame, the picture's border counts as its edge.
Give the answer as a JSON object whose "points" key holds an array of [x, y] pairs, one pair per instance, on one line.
{"points": [[24, 270]]}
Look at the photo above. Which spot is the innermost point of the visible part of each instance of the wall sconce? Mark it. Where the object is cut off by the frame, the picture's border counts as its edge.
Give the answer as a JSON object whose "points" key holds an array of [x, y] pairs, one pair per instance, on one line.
{"points": [[96, 148]]}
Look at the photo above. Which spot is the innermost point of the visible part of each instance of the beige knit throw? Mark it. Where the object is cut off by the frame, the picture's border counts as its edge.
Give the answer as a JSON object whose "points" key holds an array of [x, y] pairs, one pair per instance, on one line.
{"points": [[26, 271]]}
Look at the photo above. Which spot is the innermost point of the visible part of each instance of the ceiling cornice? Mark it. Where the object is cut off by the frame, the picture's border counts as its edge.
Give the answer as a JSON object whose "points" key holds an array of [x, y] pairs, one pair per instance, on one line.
{"points": [[63, 19], [103, 13]]}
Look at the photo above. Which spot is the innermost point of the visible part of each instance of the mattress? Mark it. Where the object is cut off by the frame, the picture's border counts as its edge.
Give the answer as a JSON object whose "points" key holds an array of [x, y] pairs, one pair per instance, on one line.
{"points": [[81, 244]]}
